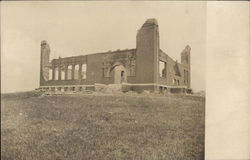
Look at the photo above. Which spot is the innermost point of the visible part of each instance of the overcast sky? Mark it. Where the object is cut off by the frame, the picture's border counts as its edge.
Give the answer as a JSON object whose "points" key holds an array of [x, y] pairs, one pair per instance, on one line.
{"points": [[78, 28]]}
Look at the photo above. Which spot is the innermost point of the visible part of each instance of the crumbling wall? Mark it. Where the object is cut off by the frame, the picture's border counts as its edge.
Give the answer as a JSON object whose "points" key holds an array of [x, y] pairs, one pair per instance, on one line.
{"points": [[147, 46], [177, 74], [92, 68], [140, 65], [186, 63], [45, 63]]}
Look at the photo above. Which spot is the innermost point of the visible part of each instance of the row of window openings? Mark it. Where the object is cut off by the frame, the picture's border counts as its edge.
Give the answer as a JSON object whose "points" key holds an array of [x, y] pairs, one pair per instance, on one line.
{"points": [[78, 74], [177, 82], [65, 88]]}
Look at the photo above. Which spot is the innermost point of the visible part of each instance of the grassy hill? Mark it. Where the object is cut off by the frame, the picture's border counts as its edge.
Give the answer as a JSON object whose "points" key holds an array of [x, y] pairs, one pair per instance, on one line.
{"points": [[102, 127]]}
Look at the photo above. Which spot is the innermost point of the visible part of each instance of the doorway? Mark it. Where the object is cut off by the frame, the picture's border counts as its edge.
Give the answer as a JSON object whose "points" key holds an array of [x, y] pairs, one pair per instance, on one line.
{"points": [[120, 75]]}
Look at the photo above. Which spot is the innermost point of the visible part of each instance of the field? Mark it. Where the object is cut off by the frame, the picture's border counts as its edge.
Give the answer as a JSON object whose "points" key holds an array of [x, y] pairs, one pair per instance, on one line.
{"points": [[102, 127]]}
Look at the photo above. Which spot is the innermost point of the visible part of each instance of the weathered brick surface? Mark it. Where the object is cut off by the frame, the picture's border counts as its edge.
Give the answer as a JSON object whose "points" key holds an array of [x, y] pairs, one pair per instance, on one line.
{"points": [[141, 65]]}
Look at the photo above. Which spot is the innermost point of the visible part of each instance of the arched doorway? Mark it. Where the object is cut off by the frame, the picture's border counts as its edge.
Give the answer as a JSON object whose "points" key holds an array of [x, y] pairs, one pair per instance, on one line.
{"points": [[120, 74]]}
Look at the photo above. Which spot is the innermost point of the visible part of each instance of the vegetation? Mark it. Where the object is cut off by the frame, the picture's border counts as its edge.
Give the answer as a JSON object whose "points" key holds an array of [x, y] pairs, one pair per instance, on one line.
{"points": [[102, 127]]}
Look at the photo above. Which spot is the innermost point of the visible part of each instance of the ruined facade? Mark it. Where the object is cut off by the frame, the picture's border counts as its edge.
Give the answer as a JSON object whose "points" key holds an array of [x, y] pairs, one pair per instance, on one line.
{"points": [[146, 67]]}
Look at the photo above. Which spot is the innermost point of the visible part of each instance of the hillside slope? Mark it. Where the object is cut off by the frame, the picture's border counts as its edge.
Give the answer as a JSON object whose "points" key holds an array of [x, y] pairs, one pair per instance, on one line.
{"points": [[100, 127]]}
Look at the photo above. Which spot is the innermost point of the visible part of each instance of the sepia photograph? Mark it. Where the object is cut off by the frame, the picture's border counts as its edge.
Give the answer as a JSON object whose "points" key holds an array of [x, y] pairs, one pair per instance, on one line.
{"points": [[103, 80]]}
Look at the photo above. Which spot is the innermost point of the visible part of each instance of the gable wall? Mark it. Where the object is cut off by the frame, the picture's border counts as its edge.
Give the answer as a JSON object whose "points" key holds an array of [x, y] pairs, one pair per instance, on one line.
{"points": [[170, 71]]}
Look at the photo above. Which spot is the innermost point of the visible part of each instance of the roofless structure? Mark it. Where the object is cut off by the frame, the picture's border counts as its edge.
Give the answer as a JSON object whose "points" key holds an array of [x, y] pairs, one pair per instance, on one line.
{"points": [[145, 67]]}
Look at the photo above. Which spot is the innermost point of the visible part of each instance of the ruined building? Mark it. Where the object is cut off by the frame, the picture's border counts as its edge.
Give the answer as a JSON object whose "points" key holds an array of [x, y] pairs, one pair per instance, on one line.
{"points": [[145, 67]]}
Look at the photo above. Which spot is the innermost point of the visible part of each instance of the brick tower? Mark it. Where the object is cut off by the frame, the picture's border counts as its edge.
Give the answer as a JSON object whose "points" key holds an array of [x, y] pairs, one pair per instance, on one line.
{"points": [[45, 62], [147, 48], [186, 61]]}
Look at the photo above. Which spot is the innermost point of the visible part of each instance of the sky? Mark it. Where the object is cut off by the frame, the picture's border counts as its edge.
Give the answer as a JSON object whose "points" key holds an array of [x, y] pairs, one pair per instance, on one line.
{"points": [[78, 28]]}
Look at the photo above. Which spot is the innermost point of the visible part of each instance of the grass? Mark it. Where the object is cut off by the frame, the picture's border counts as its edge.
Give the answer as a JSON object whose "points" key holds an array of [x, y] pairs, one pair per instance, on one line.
{"points": [[102, 127]]}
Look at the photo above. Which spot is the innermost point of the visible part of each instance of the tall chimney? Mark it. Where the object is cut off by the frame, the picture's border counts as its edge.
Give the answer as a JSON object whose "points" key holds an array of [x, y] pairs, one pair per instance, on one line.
{"points": [[45, 62]]}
